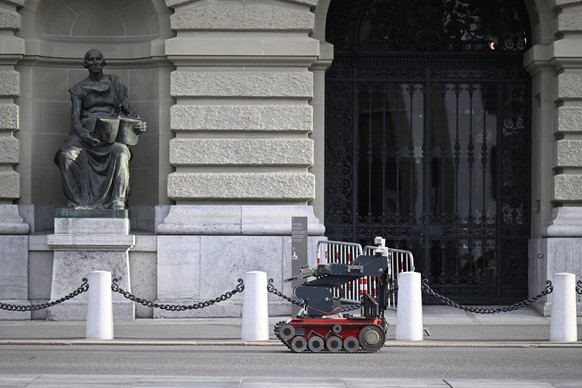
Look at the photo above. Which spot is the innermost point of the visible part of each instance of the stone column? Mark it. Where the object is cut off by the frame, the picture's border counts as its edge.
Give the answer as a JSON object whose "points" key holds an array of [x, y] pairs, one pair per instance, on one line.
{"points": [[556, 67], [242, 150], [13, 259]]}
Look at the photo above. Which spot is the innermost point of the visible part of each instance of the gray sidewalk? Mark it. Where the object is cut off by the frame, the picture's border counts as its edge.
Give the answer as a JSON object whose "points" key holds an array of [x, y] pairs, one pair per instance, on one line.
{"points": [[54, 381], [448, 327], [444, 326]]}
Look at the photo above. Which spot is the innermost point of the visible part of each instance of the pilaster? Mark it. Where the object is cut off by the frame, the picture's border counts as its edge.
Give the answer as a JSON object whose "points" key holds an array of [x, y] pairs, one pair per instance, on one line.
{"points": [[556, 68], [242, 148], [11, 50]]}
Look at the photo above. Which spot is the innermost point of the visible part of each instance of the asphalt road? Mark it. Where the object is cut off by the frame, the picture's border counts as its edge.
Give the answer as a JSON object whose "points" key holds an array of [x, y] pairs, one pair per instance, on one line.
{"points": [[531, 363]]}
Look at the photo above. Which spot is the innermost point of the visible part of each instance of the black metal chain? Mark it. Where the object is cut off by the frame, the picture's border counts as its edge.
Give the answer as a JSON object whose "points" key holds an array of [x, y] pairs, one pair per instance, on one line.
{"points": [[484, 310], [174, 307], [271, 288], [579, 287], [16, 307]]}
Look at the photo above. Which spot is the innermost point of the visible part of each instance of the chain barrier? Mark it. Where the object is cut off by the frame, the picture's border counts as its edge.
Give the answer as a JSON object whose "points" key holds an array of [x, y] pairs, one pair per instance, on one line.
{"points": [[271, 288], [485, 310], [579, 287], [15, 307], [173, 307]]}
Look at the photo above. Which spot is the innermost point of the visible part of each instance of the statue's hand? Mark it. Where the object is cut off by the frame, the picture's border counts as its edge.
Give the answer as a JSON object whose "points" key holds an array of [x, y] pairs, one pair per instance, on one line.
{"points": [[90, 140]]}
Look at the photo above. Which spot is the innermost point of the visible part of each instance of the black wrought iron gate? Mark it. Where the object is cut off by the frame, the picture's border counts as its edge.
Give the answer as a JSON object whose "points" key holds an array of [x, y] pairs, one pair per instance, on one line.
{"points": [[428, 139]]}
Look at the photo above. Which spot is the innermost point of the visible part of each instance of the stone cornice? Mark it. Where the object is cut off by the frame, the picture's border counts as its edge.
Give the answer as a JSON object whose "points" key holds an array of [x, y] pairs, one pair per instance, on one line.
{"points": [[561, 54]]}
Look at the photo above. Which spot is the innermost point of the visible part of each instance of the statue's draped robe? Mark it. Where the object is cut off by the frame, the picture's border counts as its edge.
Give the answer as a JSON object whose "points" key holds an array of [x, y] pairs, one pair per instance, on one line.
{"points": [[95, 176]]}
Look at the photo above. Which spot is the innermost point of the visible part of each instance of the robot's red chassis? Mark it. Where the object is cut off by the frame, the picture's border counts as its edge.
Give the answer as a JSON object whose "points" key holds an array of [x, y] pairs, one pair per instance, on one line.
{"points": [[349, 334]]}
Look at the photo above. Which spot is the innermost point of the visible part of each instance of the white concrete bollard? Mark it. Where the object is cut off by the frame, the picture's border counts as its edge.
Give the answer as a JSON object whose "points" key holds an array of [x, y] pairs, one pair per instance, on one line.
{"points": [[100, 306], [255, 316], [563, 323], [409, 325]]}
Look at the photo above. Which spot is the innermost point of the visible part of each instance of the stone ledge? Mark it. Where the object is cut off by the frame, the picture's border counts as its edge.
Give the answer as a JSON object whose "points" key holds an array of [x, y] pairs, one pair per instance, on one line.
{"points": [[274, 220], [90, 213], [91, 226], [95, 242]]}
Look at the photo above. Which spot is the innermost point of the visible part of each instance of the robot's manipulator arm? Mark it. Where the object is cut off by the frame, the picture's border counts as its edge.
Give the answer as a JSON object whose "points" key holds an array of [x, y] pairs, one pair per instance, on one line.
{"points": [[318, 292]]}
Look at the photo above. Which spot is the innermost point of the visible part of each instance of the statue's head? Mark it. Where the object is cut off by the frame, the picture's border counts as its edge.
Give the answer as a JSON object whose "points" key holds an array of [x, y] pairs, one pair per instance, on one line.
{"points": [[94, 57]]}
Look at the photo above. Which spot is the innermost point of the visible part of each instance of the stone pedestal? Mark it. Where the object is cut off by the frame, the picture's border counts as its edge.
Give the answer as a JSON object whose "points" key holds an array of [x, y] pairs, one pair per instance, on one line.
{"points": [[84, 241]]}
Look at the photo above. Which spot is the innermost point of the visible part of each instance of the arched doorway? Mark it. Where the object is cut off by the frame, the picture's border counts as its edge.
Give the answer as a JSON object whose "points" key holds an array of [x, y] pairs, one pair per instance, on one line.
{"points": [[428, 138]]}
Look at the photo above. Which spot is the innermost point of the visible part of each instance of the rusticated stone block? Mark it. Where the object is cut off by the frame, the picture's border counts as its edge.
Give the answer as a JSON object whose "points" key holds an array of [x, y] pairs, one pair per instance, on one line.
{"points": [[241, 152], [568, 119], [242, 16], [9, 83], [9, 185], [285, 186], [569, 86], [567, 187], [9, 20], [298, 84], [570, 20], [8, 116], [242, 117], [568, 153], [8, 150]]}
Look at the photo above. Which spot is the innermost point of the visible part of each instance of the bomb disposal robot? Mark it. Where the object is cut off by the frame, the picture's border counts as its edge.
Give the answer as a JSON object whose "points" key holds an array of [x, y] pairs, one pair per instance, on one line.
{"points": [[314, 330]]}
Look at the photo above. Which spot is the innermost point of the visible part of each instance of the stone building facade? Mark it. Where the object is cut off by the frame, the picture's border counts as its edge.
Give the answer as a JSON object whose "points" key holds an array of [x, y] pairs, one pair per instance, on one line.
{"points": [[233, 92]]}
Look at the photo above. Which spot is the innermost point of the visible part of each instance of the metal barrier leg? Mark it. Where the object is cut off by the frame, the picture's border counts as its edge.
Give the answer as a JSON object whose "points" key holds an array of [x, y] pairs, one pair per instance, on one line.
{"points": [[563, 323], [100, 306], [255, 317], [409, 325]]}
